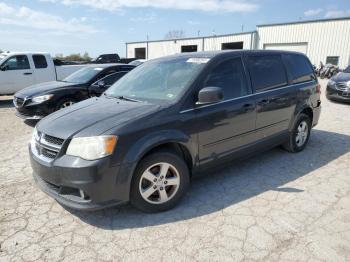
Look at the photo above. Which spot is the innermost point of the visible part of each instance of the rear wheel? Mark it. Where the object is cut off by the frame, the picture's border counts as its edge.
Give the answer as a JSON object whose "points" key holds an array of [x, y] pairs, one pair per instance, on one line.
{"points": [[160, 181], [299, 137]]}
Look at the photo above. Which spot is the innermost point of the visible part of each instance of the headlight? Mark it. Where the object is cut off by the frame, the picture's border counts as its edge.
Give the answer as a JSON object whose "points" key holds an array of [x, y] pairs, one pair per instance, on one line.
{"points": [[92, 148], [40, 99], [348, 84]]}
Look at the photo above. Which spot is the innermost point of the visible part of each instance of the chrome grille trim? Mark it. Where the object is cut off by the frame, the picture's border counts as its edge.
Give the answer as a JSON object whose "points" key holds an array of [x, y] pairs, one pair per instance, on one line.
{"points": [[342, 86], [44, 149]]}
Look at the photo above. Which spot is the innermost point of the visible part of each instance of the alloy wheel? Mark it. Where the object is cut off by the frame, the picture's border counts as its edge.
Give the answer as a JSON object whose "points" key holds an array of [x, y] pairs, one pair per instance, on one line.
{"points": [[159, 183], [302, 133], [66, 104]]}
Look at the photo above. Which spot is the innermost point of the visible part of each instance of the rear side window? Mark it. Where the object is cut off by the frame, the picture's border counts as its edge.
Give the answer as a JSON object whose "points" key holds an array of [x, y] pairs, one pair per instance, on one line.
{"points": [[39, 61], [299, 68], [267, 72], [230, 76]]}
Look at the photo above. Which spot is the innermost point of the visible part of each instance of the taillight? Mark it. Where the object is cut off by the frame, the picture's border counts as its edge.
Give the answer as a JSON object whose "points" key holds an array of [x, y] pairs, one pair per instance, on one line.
{"points": [[318, 89]]}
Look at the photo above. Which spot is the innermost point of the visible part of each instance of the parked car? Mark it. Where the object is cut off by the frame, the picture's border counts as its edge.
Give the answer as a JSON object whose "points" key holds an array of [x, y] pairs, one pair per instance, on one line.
{"points": [[338, 87], [107, 58], [137, 62], [19, 70], [37, 101], [171, 119]]}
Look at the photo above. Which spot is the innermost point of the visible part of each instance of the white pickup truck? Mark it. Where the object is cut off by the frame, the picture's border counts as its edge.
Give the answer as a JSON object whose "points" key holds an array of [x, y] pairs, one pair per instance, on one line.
{"points": [[19, 70]]}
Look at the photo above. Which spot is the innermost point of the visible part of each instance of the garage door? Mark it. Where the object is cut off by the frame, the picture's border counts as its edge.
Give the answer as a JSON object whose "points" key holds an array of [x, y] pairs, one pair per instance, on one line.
{"points": [[296, 47]]}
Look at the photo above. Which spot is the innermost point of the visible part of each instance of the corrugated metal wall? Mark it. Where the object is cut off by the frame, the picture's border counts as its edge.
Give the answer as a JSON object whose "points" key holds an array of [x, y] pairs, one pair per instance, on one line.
{"points": [[320, 39], [323, 38], [163, 48]]}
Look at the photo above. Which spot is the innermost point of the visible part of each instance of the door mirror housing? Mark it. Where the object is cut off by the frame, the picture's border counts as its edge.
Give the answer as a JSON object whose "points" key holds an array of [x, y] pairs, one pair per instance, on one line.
{"points": [[210, 95], [3, 67], [101, 84]]}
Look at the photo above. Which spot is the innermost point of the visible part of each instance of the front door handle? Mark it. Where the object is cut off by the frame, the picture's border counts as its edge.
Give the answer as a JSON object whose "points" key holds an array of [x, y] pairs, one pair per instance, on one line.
{"points": [[28, 73]]}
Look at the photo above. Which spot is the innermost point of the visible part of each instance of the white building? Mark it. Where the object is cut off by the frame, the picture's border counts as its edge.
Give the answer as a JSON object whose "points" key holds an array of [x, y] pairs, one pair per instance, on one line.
{"points": [[326, 40]]}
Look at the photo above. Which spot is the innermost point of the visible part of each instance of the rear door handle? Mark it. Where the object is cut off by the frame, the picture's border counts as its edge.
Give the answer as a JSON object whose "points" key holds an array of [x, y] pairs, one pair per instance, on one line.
{"points": [[248, 107], [264, 102], [28, 73]]}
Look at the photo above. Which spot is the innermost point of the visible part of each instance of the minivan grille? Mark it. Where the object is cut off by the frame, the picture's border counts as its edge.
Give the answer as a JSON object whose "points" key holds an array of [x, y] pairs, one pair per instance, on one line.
{"points": [[46, 147]]}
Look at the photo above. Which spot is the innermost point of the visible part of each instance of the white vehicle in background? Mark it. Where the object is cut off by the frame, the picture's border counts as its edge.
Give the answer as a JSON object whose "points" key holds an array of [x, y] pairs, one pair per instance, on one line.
{"points": [[20, 69]]}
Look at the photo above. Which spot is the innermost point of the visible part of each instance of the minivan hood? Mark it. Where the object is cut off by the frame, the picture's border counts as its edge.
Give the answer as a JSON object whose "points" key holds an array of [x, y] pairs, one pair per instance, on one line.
{"points": [[43, 88], [341, 77], [93, 117]]}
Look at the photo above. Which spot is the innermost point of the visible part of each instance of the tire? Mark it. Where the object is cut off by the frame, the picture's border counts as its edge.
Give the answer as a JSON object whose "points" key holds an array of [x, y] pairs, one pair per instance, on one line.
{"points": [[164, 196], [65, 103], [299, 137]]}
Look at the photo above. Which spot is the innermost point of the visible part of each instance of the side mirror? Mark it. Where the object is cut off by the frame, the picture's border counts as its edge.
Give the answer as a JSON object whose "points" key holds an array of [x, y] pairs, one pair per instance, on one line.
{"points": [[101, 84], [3, 68], [210, 95]]}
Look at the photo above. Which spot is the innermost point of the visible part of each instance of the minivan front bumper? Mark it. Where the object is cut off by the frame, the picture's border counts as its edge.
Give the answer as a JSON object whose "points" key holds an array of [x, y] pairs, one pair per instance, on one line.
{"points": [[82, 184]]}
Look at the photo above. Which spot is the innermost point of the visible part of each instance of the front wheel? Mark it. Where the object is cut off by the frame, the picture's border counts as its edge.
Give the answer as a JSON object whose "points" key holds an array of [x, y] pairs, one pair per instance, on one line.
{"points": [[160, 181], [65, 102], [299, 137]]}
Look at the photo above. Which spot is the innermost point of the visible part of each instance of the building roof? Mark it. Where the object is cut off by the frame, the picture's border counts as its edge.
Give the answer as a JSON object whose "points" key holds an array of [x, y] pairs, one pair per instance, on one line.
{"points": [[191, 38], [306, 21]]}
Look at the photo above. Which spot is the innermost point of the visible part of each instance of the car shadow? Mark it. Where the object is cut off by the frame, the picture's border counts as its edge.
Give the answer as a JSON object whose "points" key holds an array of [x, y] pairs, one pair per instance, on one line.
{"points": [[6, 102], [240, 181]]}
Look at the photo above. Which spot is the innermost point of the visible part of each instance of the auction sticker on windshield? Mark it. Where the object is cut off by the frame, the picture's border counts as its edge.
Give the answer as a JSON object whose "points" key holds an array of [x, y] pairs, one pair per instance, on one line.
{"points": [[98, 69], [198, 60]]}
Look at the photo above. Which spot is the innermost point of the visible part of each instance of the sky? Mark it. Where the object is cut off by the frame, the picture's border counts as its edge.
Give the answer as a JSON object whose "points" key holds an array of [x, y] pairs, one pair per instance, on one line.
{"points": [[104, 26]]}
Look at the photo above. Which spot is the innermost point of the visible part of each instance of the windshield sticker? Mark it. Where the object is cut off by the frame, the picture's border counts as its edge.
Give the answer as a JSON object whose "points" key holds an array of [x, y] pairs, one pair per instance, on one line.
{"points": [[98, 69], [198, 60], [170, 95]]}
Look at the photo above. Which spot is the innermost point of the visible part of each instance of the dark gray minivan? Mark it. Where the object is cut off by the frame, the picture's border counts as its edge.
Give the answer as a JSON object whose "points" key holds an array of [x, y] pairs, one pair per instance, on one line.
{"points": [[170, 119]]}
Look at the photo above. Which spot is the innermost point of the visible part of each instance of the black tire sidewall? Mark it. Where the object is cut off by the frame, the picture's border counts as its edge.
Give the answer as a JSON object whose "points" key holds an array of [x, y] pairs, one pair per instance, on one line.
{"points": [[295, 147], [173, 159]]}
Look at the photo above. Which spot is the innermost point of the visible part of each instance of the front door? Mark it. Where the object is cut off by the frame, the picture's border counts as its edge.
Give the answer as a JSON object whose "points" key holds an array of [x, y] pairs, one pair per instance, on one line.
{"points": [[15, 75], [225, 126]]}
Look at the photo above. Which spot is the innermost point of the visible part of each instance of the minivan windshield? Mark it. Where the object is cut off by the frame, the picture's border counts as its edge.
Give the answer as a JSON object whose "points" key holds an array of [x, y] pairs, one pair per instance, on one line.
{"points": [[347, 70], [83, 75], [161, 80]]}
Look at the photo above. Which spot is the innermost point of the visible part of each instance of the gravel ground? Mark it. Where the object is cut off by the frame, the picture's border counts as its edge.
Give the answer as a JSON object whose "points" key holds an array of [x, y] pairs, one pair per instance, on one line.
{"points": [[276, 206]]}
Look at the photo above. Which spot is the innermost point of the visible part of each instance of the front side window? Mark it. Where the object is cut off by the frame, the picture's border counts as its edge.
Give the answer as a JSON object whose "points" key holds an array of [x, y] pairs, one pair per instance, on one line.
{"points": [[159, 80], [83, 75], [267, 72], [18, 62], [39, 61], [230, 77]]}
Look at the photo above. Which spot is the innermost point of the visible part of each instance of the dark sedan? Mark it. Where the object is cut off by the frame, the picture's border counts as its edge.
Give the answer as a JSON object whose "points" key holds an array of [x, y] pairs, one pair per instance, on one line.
{"points": [[37, 101], [338, 87]]}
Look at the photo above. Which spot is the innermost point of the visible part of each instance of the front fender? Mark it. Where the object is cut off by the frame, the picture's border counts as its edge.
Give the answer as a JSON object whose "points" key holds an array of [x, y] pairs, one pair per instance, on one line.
{"points": [[147, 143]]}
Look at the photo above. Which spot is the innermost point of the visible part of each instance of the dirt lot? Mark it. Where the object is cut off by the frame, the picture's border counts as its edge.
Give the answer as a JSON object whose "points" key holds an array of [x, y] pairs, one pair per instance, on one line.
{"points": [[276, 206]]}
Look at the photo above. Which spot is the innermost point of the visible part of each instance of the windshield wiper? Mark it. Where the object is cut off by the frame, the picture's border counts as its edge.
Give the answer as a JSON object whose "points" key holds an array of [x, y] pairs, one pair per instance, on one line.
{"points": [[122, 98], [127, 99]]}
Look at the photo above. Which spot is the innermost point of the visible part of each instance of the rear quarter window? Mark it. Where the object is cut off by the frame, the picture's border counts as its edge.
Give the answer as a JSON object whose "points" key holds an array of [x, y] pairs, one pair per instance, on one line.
{"points": [[39, 61], [267, 72], [299, 68]]}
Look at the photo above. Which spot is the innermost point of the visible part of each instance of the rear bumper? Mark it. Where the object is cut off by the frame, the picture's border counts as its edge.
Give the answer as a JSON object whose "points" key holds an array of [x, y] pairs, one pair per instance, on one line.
{"points": [[81, 184]]}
